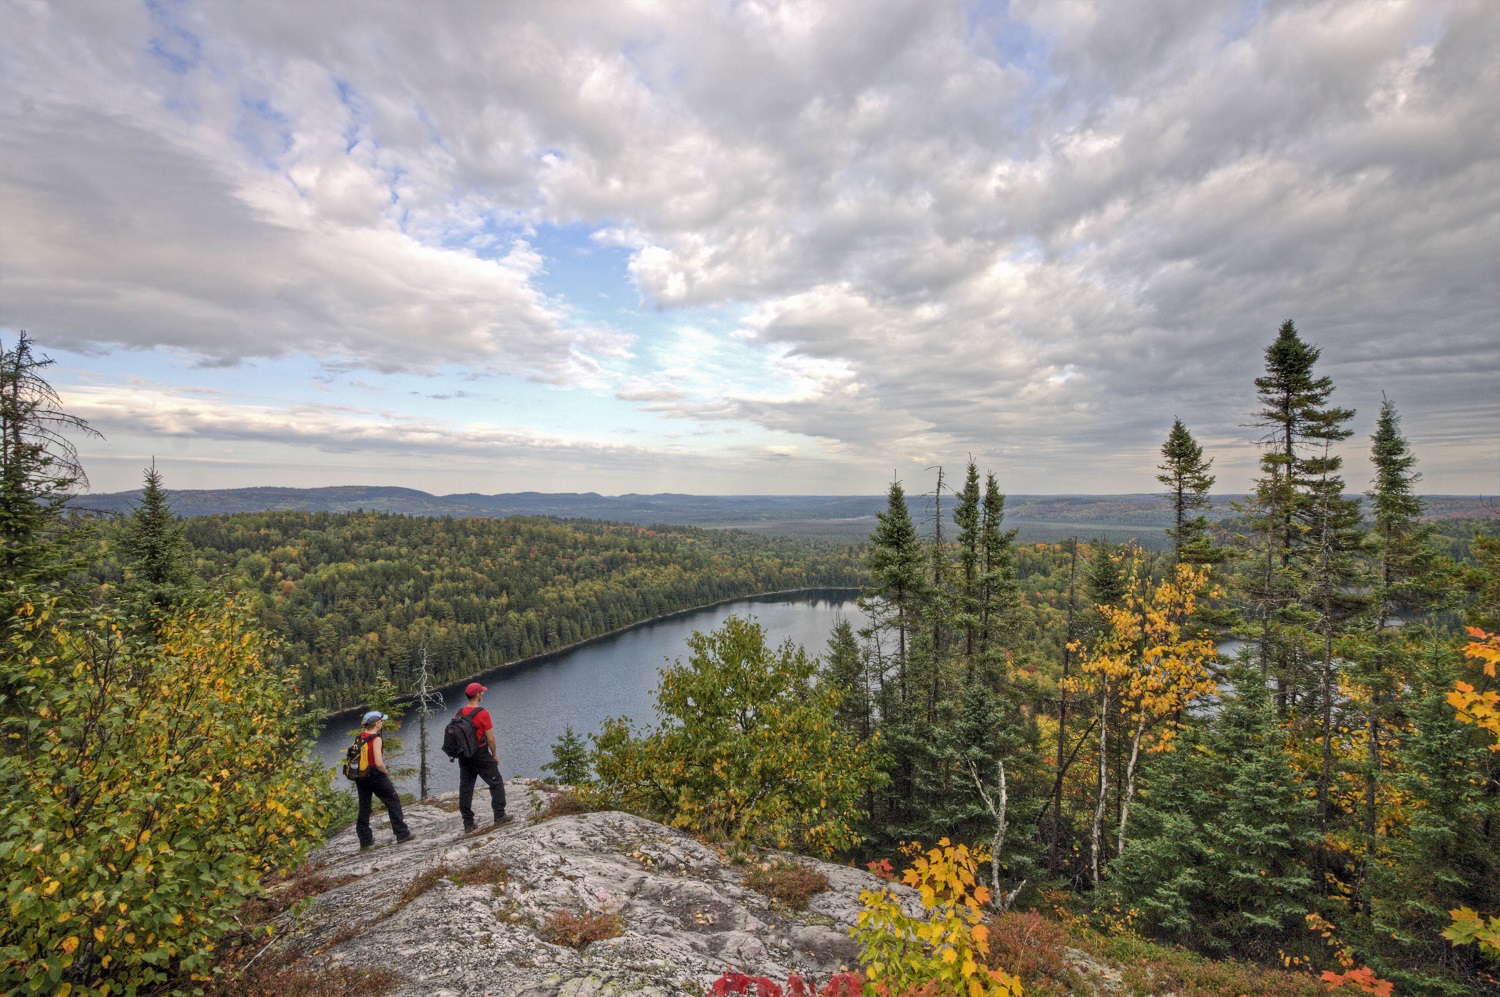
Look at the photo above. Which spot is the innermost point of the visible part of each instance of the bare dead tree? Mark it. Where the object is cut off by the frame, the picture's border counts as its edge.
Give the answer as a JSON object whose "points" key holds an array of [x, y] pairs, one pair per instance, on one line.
{"points": [[1000, 902], [427, 699]]}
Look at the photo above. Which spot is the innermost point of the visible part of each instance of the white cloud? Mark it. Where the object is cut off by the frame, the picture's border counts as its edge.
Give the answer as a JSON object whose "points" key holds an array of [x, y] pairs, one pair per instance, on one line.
{"points": [[1035, 232]]}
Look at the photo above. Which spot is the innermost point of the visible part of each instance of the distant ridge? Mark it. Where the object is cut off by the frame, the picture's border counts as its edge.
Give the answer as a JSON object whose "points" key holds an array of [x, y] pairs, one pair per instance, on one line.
{"points": [[855, 513]]}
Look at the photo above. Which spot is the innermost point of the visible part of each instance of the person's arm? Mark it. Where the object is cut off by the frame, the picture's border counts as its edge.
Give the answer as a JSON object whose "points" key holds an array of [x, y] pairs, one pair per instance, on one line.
{"points": [[489, 738], [377, 757]]}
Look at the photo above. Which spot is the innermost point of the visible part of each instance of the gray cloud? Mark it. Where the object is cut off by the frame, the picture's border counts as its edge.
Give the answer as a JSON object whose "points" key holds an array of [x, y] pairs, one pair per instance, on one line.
{"points": [[1036, 234]]}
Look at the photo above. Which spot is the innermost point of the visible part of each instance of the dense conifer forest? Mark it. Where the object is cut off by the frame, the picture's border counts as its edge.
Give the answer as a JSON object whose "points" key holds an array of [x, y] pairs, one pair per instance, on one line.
{"points": [[360, 596]]}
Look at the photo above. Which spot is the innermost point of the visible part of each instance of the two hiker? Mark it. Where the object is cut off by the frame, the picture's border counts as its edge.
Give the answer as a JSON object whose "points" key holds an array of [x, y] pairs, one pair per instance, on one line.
{"points": [[371, 778], [469, 739]]}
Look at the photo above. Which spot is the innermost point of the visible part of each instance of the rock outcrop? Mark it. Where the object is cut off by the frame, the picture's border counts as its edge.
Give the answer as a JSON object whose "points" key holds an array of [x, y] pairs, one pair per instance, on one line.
{"points": [[681, 908]]}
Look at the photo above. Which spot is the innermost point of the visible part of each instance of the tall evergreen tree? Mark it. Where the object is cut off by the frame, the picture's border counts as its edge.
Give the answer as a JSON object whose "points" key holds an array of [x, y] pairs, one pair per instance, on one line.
{"points": [[969, 520], [1000, 594], [1296, 462], [39, 471], [1261, 831], [1405, 579], [1185, 475], [896, 583], [156, 553]]}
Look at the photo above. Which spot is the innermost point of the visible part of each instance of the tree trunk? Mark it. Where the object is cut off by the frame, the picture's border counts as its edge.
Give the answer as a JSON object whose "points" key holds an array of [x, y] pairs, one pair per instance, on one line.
{"points": [[1098, 835]]}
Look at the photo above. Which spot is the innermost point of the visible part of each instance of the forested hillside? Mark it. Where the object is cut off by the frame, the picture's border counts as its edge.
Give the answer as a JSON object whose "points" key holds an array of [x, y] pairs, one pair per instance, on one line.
{"points": [[358, 596]]}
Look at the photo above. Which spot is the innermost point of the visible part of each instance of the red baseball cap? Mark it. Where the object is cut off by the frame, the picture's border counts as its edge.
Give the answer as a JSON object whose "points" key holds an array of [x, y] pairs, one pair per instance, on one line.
{"points": [[474, 689]]}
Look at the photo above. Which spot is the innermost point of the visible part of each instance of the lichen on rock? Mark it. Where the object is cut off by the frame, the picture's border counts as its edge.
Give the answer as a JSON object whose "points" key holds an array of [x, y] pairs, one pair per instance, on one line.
{"points": [[683, 913]]}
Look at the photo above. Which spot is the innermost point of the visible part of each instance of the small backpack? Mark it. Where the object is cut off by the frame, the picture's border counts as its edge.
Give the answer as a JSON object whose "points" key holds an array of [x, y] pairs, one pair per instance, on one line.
{"points": [[356, 759], [460, 739]]}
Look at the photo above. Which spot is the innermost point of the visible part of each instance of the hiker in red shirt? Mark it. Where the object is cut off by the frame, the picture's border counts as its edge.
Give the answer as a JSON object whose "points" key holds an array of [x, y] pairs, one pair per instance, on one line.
{"points": [[375, 780], [482, 765]]}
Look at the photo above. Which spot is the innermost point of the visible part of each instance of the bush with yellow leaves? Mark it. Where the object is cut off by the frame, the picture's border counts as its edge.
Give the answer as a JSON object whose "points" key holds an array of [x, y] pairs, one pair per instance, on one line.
{"points": [[950, 947], [150, 781]]}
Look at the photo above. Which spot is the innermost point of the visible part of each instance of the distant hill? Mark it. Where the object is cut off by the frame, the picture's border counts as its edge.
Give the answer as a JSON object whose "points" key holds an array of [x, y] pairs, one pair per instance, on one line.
{"points": [[848, 518]]}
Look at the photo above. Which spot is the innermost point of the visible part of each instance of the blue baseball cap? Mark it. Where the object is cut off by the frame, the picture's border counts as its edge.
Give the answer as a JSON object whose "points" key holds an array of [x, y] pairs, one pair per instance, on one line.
{"points": [[375, 715]]}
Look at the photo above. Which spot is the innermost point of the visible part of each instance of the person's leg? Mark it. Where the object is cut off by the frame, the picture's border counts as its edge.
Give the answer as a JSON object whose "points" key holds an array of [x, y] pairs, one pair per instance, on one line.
{"points": [[386, 790], [466, 792], [362, 825], [489, 771]]}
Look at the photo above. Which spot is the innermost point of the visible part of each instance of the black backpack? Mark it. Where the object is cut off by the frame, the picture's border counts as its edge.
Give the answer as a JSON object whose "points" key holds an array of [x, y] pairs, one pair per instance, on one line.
{"points": [[460, 739], [351, 758]]}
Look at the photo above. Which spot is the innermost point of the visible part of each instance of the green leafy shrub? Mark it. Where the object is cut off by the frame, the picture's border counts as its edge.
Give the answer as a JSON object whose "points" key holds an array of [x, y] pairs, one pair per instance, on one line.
{"points": [[791, 883], [151, 781], [748, 748]]}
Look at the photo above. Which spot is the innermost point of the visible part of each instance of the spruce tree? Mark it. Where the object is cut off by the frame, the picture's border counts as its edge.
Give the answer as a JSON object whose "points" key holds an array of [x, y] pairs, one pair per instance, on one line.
{"points": [[999, 593], [1185, 475], [895, 561], [1404, 580], [156, 553], [1261, 829], [39, 472], [570, 758], [969, 520], [1296, 504], [844, 670]]}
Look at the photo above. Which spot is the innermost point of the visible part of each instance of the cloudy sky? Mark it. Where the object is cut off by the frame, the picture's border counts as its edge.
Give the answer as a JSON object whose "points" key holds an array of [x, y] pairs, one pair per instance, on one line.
{"points": [[746, 247]]}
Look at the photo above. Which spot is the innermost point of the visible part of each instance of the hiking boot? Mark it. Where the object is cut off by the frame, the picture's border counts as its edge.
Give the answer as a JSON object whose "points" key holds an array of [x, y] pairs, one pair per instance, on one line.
{"points": [[365, 848], [502, 820], [402, 839], [470, 827]]}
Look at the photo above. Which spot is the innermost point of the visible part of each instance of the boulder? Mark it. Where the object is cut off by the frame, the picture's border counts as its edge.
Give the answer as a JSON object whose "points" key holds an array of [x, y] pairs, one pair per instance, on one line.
{"points": [[682, 911]]}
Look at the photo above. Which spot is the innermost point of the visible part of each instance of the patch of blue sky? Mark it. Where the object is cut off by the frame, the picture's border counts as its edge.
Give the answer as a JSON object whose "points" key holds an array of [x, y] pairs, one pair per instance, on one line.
{"points": [[353, 131], [171, 43], [1245, 16], [263, 131], [592, 278]]}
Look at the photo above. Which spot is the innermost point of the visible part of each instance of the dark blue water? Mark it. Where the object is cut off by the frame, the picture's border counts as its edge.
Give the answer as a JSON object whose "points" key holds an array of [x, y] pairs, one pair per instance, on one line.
{"points": [[614, 676]]}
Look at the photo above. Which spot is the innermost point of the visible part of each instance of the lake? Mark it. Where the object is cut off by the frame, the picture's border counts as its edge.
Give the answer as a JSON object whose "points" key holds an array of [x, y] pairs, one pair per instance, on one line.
{"points": [[616, 675]]}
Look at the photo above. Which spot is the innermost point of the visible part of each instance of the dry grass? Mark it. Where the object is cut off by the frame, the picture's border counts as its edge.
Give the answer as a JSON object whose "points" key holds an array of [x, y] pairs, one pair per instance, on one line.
{"points": [[285, 891], [558, 803], [489, 870], [310, 981], [1035, 949], [791, 883], [579, 929], [421, 883]]}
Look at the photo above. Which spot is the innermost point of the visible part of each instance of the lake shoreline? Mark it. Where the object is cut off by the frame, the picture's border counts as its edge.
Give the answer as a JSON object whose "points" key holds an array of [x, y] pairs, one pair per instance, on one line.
{"points": [[352, 712]]}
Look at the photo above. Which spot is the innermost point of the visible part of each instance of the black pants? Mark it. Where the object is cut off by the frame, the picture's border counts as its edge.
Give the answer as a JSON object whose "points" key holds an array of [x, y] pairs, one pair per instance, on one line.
{"points": [[377, 783], [481, 766]]}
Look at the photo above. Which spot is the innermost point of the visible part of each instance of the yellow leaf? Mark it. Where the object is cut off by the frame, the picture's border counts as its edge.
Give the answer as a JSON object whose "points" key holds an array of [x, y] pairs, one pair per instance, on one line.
{"points": [[70, 944]]}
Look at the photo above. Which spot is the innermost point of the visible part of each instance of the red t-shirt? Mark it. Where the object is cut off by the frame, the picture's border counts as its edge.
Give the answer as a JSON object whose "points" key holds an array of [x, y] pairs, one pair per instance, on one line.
{"points": [[482, 722]]}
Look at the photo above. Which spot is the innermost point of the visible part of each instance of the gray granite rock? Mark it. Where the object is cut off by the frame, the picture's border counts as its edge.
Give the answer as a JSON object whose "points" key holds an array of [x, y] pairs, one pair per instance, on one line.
{"points": [[686, 914]]}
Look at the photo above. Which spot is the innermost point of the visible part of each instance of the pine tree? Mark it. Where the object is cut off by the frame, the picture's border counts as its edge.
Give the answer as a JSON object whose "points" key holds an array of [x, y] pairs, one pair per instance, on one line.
{"points": [[39, 472], [1405, 578], [1297, 503], [570, 758], [844, 670], [1261, 830], [1185, 474], [155, 550], [895, 562]]}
